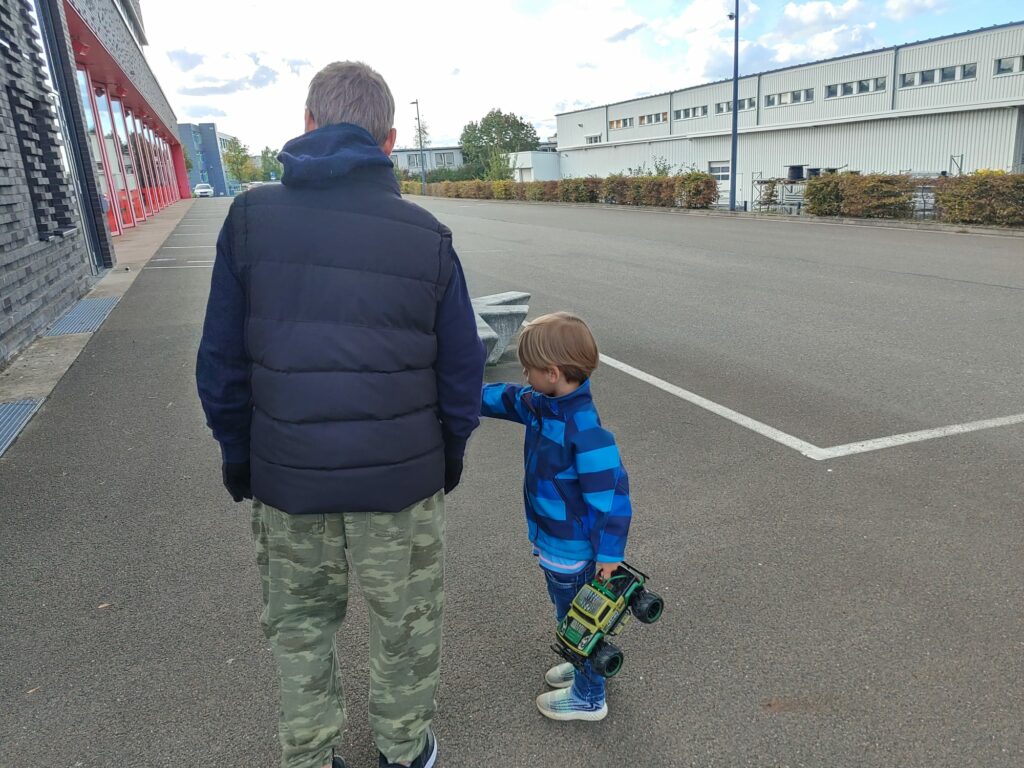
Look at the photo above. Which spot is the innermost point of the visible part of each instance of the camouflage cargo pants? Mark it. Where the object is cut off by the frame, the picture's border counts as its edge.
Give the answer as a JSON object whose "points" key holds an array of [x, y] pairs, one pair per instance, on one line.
{"points": [[399, 560]]}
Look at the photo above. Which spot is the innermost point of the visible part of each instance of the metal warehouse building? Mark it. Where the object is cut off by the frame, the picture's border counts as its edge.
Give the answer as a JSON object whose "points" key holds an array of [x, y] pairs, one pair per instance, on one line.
{"points": [[949, 104]]}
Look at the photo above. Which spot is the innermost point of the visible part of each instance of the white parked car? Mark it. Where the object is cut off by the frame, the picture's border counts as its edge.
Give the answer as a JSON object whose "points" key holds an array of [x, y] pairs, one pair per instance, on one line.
{"points": [[204, 190]]}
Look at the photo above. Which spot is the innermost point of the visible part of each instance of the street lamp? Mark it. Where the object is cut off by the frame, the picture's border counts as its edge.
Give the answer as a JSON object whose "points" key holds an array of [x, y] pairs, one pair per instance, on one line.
{"points": [[734, 17], [423, 162]]}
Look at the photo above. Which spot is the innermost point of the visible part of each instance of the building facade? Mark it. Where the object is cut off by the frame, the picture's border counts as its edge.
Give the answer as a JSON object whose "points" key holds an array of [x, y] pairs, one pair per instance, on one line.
{"points": [[87, 152], [434, 157], [953, 104], [205, 146]]}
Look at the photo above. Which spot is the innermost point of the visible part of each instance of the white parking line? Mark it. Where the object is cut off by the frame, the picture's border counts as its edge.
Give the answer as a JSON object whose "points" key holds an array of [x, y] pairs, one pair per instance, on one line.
{"points": [[186, 266], [807, 449], [865, 446], [810, 450]]}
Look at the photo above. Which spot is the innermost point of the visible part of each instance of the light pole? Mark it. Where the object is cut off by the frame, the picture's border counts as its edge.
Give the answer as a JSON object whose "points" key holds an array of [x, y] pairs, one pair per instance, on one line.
{"points": [[735, 17], [423, 162]]}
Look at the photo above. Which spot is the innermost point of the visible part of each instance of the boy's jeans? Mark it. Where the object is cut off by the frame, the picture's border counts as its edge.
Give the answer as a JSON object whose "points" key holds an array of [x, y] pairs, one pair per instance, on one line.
{"points": [[562, 587], [304, 563]]}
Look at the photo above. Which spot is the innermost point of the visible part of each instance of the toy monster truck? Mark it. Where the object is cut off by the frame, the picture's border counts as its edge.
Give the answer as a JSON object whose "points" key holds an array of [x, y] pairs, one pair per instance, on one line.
{"points": [[599, 610]]}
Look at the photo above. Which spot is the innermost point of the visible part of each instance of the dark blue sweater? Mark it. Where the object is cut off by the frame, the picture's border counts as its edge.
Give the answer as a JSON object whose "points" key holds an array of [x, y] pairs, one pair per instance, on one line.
{"points": [[337, 179]]}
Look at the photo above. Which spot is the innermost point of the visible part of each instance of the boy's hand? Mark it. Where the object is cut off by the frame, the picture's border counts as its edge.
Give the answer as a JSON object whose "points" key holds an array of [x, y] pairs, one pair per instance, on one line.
{"points": [[605, 570]]}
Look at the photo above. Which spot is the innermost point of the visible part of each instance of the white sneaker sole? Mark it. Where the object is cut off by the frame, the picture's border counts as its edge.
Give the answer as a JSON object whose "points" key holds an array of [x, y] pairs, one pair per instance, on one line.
{"points": [[597, 714], [433, 756]]}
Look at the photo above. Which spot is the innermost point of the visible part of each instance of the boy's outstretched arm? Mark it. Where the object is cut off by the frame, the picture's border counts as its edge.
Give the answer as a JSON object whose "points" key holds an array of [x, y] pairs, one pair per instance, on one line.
{"points": [[504, 401], [605, 486]]}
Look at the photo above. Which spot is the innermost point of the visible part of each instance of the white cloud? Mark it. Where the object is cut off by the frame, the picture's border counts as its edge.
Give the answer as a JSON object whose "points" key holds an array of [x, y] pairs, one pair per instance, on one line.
{"points": [[555, 57], [902, 9], [817, 12], [822, 45], [457, 77]]}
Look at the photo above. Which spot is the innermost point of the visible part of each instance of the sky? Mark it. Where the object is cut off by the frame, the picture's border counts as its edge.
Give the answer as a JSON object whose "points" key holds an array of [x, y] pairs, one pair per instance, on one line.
{"points": [[246, 65]]}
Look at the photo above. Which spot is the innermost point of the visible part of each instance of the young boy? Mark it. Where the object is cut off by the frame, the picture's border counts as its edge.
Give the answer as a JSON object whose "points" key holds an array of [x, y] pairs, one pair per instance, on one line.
{"points": [[576, 490]]}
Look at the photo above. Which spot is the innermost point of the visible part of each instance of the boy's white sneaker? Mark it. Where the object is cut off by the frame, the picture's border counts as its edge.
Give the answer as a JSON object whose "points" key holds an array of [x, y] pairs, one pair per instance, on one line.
{"points": [[562, 705], [560, 675]]}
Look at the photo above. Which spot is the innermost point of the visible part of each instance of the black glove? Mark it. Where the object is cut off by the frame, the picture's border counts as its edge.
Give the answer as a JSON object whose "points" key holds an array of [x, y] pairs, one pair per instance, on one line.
{"points": [[236, 480], [452, 471]]}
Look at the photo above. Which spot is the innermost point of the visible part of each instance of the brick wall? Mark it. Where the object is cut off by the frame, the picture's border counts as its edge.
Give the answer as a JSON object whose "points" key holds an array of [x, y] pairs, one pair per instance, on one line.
{"points": [[44, 261]]}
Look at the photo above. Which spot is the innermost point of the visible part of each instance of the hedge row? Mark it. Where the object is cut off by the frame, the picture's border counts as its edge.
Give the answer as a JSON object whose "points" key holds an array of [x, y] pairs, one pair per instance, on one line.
{"points": [[984, 197], [690, 190], [869, 196]]}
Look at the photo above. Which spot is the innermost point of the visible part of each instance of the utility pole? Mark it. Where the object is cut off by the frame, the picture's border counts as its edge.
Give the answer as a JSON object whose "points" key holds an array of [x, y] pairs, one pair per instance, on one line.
{"points": [[423, 161], [735, 17]]}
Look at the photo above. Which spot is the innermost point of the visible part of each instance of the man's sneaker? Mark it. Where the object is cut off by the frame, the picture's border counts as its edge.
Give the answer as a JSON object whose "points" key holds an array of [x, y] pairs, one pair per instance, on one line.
{"points": [[337, 762], [560, 675], [562, 705], [426, 758]]}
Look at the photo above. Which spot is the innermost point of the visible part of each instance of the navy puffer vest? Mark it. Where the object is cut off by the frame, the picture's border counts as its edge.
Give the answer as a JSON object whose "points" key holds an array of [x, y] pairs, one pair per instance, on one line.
{"points": [[343, 279]]}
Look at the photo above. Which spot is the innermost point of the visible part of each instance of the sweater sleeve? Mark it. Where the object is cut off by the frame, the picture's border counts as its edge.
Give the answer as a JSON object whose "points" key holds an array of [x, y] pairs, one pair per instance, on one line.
{"points": [[460, 361], [222, 365], [504, 401], [605, 487]]}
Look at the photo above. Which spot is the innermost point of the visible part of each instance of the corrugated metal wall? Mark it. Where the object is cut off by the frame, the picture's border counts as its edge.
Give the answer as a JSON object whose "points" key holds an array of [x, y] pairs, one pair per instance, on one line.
{"points": [[923, 144], [891, 129]]}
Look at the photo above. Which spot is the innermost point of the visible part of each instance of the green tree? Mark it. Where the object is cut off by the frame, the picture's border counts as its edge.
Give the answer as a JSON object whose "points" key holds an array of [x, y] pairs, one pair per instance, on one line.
{"points": [[237, 160], [188, 159], [425, 129], [270, 165], [498, 167], [496, 133]]}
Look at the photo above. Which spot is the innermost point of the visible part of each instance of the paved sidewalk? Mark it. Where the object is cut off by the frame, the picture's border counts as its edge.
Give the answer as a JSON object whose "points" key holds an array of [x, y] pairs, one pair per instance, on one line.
{"points": [[36, 370]]}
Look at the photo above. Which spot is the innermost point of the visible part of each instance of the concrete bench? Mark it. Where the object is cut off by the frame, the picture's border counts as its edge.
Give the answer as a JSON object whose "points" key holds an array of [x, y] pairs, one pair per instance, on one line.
{"points": [[498, 319]]}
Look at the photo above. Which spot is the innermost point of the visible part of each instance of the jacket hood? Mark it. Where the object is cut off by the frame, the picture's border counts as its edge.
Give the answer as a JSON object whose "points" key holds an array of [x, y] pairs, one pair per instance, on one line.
{"points": [[323, 156]]}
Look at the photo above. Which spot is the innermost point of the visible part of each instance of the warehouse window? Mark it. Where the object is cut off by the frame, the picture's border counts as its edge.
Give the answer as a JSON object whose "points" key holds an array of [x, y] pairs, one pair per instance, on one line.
{"points": [[594, 139], [414, 161], [908, 80], [769, 101], [927, 76], [947, 74], [719, 170], [691, 112], [968, 71], [1005, 66], [657, 117], [625, 122], [871, 85], [444, 158]]}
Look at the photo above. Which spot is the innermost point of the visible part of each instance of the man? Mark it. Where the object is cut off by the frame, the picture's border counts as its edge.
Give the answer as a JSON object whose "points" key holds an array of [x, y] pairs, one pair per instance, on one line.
{"points": [[340, 370]]}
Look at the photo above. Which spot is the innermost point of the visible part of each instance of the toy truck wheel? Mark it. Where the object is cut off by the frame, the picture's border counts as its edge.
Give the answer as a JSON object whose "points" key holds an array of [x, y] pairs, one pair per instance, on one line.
{"points": [[606, 660], [647, 607]]}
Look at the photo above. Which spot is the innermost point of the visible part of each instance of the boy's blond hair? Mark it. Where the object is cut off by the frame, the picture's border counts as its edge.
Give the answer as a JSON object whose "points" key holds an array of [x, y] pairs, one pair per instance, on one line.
{"points": [[561, 340]]}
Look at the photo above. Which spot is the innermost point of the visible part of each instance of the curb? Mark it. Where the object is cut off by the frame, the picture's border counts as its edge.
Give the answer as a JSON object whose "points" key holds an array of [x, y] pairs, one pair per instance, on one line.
{"points": [[33, 374]]}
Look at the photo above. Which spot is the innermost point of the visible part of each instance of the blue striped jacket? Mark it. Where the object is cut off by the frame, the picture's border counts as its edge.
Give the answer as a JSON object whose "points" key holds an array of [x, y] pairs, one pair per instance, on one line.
{"points": [[576, 490]]}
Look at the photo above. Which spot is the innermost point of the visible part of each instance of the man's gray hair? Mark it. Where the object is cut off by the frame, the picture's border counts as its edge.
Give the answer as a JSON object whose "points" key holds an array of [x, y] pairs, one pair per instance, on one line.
{"points": [[352, 92]]}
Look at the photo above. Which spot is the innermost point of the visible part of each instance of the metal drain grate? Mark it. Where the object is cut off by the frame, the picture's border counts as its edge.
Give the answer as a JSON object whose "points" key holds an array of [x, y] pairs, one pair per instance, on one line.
{"points": [[85, 317], [14, 416]]}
